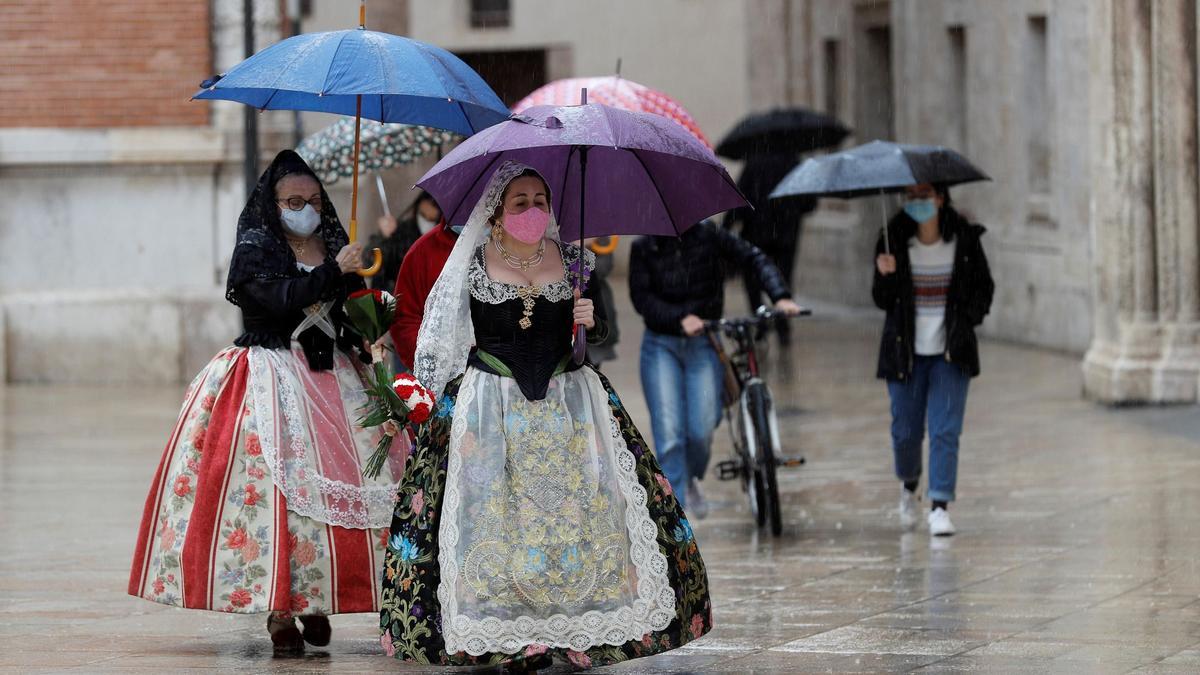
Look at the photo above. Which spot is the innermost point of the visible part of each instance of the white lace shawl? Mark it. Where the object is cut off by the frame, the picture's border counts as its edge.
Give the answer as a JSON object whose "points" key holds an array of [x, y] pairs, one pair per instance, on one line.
{"points": [[446, 335]]}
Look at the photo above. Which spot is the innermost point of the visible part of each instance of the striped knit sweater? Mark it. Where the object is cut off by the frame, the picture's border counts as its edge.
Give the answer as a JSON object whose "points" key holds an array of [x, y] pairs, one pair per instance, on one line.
{"points": [[932, 265]]}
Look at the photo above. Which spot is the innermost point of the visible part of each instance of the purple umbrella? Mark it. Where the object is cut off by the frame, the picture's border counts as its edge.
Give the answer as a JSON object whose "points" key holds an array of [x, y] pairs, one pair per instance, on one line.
{"points": [[644, 173]]}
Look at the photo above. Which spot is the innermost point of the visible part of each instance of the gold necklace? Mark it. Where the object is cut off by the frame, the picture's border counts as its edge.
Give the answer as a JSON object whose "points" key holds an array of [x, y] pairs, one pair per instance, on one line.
{"points": [[516, 262], [299, 249], [528, 295]]}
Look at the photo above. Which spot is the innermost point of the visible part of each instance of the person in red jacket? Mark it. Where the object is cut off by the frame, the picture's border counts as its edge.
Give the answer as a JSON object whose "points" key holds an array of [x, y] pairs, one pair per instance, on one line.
{"points": [[421, 267]]}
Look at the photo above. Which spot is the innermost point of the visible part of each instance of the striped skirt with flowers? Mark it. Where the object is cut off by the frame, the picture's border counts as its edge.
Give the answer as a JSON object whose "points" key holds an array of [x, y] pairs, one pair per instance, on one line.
{"points": [[217, 533]]}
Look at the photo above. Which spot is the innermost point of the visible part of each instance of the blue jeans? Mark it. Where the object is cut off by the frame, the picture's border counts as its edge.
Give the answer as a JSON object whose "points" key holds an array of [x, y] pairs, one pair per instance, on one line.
{"points": [[937, 389], [681, 377]]}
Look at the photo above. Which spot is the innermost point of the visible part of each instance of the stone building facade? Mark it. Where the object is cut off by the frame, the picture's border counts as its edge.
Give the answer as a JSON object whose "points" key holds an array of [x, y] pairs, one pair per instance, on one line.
{"points": [[1083, 111]]}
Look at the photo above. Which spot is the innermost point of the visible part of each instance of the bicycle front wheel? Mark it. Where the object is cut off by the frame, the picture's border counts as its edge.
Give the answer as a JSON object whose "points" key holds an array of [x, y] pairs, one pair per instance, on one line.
{"points": [[760, 410], [752, 482]]}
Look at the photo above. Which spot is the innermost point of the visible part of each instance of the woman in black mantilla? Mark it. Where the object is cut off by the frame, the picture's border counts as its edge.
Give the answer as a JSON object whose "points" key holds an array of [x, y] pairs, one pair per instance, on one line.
{"points": [[533, 521], [259, 504]]}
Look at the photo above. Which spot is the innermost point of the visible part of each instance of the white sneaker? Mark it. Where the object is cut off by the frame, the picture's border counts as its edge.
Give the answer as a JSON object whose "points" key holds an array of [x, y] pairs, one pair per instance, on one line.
{"points": [[697, 506], [939, 523], [909, 508]]}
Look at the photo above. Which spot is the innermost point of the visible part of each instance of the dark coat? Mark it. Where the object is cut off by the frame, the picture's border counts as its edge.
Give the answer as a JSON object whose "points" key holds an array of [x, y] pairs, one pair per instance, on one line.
{"points": [[671, 277], [968, 299], [394, 249]]}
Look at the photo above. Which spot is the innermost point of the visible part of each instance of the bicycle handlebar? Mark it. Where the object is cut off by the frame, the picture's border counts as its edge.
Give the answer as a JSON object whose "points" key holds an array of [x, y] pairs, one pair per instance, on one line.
{"points": [[762, 317]]}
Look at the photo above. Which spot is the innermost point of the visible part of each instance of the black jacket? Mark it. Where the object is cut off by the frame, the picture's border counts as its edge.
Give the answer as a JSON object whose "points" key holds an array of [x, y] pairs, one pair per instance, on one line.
{"points": [[394, 249], [968, 299], [671, 277], [273, 308]]}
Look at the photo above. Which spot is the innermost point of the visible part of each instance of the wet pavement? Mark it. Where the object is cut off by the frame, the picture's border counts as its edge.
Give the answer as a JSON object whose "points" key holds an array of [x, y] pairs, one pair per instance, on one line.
{"points": [[1079, 532]]}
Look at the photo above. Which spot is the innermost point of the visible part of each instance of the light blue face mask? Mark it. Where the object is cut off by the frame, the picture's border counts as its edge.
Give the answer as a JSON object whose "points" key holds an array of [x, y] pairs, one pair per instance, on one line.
{"points": [[457, 229], [921, 210]]}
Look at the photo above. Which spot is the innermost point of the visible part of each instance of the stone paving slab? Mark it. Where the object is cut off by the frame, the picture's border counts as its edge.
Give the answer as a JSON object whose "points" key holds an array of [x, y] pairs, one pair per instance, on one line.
{"points": [[1078, 545]]}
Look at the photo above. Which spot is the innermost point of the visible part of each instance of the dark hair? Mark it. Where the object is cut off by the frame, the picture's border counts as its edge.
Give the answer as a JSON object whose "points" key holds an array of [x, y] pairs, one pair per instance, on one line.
{"points": [[527, 173], [411, 212]]}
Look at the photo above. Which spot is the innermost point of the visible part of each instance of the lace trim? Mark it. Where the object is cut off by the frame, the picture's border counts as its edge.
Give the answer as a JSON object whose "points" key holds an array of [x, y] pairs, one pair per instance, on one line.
{"points": [[489, 291], [653, 610], [377, 501]]}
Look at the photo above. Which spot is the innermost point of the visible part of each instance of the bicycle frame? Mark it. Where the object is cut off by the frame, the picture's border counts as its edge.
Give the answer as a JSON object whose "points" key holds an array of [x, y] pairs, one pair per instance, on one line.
{"points": [[755, 427]]}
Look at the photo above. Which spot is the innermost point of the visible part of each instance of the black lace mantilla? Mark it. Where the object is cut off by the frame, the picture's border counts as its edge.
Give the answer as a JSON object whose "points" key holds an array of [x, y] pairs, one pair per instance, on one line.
{"points": [[262, 251], [271, 290]]}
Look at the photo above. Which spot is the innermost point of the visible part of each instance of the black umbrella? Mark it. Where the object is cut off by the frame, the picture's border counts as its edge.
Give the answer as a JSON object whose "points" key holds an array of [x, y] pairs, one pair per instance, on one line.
{"points": [[876, 168], [782, 131]]}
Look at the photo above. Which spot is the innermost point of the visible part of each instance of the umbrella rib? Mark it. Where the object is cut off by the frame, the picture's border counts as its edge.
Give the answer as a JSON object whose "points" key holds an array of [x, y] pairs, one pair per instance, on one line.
{"points": [[562, 193], [657, 191], [332, 60], [475, 182], [266, 104]]}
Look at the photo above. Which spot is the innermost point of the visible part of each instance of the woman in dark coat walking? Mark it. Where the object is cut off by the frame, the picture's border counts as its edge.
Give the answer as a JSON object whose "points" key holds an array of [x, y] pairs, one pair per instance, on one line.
{"points": [[677, 283], [934, 283]]}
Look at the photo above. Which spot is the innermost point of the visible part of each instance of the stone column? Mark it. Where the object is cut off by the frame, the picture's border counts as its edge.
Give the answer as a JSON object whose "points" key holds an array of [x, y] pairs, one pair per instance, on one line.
{"points": [[1145, 203], [1118, 366], [1176, 194]]}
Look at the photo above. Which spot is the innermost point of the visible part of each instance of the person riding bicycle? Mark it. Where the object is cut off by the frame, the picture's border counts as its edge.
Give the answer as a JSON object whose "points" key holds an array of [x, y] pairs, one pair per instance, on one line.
{"points": [[677, 283]]}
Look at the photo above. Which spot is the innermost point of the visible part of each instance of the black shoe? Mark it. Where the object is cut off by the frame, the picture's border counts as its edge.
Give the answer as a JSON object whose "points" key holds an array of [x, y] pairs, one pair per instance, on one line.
{"points": [[285, 637], [317, 631]]}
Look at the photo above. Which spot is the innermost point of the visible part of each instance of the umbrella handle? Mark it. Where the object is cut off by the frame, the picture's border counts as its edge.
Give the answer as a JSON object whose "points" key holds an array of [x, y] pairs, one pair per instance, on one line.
{"points": [[604, 249], [375, 266]]}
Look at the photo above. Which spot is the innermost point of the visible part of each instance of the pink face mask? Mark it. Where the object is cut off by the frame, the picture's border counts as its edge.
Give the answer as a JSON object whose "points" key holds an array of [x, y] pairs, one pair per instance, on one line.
{"points": [[528, 226]]}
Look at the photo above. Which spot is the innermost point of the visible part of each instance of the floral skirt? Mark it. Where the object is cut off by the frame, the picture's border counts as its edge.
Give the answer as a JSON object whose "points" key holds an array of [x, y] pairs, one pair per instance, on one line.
{"points": [[217, 533], [532, 530]]}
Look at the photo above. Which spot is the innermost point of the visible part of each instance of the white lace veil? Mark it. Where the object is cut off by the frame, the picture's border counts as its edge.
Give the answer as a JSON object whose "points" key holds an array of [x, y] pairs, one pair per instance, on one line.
{"points": [[446, 334]]}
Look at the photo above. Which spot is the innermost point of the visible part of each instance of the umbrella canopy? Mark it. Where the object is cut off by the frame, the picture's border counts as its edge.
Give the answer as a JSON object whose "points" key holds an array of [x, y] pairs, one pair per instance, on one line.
{"points": [[614, 91], [383, 77], [643, 173], [330, 151], [782, 131], [398, 80], [878, 167]]}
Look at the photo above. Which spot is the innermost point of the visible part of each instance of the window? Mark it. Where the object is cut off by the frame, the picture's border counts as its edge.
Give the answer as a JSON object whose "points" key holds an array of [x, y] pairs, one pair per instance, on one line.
{"points": [[490, 13], [833, 78], [1037, 105], [512, 74], [874, 112], [956, 99]]}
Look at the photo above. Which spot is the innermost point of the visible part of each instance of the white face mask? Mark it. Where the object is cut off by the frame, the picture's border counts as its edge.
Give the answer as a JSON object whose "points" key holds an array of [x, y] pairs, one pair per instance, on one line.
{"points": [[301, 223], [424, 224]]}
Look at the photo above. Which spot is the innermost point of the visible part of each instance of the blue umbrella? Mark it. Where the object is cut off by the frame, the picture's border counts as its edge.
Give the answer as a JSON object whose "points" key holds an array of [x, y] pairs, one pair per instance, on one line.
{"points": [[394, 78], [364, 73]]}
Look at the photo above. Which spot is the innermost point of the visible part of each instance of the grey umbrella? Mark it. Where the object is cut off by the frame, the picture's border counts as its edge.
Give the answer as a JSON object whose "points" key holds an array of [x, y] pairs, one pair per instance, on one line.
{"points": [[878, 167]]}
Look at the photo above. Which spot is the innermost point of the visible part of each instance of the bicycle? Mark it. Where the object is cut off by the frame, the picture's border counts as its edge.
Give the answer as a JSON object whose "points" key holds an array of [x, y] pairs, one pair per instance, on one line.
{"points": [[754, 427]]}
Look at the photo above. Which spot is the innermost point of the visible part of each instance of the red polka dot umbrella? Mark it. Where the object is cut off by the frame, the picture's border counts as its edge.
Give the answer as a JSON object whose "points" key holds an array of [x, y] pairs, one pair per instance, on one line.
{"points": [[616, 92]]}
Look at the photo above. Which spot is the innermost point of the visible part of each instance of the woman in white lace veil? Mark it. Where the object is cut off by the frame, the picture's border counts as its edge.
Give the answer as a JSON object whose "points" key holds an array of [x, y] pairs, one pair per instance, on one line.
{"points": [[446, 335], [533, 522]]}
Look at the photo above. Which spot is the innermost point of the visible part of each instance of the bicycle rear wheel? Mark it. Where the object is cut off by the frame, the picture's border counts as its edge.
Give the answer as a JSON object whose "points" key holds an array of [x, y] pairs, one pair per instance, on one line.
{"points": [[759, 404]]}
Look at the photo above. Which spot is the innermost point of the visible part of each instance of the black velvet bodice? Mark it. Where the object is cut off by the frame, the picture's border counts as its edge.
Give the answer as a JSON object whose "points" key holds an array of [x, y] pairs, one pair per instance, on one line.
{"points": [[532, 355]]}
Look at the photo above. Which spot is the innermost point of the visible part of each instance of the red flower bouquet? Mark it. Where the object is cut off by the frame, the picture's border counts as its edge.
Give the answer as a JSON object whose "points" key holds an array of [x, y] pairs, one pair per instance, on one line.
{"points": [[394, 406], [371, 312]]}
